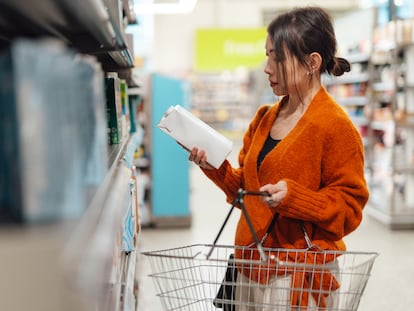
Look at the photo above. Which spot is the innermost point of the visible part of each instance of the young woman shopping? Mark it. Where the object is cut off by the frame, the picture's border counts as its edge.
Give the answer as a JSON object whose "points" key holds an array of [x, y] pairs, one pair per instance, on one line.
{"points": [[304, 151]]}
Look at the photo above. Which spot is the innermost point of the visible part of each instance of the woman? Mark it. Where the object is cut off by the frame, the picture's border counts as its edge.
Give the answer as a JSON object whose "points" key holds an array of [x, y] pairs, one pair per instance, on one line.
{"points": [[304, 151]]}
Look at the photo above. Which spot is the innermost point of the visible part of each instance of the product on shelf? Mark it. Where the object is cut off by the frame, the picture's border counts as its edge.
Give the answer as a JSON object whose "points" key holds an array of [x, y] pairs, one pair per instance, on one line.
{"points": [[126, 115], [49, 123], [133, 101], [114, 108], [128, 231]]}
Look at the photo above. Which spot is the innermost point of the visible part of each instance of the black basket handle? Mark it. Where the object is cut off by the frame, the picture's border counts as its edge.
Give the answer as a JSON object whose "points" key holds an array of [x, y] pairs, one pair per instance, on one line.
{"points": [[240, 201]]}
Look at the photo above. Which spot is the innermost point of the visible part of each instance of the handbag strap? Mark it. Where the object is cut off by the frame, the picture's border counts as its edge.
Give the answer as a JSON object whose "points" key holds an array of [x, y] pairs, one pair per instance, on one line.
{"points": [[269, 228], [306, 235], [239, 201]]}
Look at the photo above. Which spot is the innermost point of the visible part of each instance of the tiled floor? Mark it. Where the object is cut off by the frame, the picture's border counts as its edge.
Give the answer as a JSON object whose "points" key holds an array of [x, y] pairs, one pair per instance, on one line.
{"points": [[390, 288]]}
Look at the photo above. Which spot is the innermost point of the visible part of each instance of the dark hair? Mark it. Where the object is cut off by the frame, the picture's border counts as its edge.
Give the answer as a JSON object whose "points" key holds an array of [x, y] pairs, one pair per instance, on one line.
{"points": [[302, 31]]}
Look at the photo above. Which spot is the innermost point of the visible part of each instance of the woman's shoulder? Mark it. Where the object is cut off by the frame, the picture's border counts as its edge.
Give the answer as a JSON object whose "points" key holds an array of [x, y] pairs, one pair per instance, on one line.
{"points": [[262, 110], [331, 118], [330, 112], [260, 113]]}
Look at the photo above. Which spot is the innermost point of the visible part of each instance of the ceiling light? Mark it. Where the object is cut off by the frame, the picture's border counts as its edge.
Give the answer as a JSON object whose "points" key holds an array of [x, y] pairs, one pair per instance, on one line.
{"points": [[181, 7]]}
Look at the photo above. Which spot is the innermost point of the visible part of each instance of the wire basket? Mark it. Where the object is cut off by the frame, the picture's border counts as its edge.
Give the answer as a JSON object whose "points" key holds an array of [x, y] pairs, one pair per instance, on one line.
{"points": [[185, 279], [253, 278]]}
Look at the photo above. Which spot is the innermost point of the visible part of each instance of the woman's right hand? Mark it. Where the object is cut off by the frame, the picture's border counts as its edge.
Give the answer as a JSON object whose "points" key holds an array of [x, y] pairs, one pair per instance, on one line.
{"points": [[199, 158], [277, 193]]}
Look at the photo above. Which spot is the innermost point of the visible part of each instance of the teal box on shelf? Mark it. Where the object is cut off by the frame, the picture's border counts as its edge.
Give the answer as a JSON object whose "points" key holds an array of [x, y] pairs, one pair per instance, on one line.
{"points": [[113, 109], [133, 101]]}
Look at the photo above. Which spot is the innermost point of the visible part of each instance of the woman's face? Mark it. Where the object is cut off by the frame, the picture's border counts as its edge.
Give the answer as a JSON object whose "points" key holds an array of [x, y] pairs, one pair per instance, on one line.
{"points": [[289, 77]]}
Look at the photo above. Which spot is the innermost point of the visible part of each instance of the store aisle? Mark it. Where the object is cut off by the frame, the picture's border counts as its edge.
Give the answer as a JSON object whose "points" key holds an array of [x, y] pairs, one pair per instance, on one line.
{"points": [[389, 288]]}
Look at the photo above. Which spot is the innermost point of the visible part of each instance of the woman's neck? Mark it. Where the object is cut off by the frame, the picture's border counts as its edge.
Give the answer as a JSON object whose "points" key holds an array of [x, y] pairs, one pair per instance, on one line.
{"points": [[298, 103]]}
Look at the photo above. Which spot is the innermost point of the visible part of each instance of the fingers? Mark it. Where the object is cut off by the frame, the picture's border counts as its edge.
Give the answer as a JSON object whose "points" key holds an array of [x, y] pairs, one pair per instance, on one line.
{"points": [[193, 154], [271, 200], [199, 158], [277, 193]]}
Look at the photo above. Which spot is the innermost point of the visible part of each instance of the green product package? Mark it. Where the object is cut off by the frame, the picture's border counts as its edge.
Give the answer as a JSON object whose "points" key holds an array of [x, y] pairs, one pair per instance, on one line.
{"points": [[113, 109]]}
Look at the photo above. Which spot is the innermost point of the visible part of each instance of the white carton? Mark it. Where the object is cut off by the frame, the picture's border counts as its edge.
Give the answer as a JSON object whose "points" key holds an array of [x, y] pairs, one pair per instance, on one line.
{"points": [[190, 131]]}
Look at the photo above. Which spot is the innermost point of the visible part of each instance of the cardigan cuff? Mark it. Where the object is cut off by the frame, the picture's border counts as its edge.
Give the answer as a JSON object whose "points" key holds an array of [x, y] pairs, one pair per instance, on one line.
{"points": [[302, 203]]}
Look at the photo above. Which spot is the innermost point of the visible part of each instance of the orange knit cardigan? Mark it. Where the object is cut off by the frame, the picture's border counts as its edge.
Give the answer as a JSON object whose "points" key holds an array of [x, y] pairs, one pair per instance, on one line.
{"points": [[322, 162]]}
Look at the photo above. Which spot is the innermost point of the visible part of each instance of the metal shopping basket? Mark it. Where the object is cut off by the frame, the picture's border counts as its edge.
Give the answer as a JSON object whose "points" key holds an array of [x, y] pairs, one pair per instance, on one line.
{"points": [[189, 277]]}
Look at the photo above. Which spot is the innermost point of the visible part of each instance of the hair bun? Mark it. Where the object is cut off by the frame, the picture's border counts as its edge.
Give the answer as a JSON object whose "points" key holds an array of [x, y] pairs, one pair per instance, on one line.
{"points": [[338, 66]]}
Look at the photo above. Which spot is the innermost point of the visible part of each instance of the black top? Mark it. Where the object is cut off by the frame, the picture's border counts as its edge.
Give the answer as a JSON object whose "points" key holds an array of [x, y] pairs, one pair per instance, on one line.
{"points": [[268, 146]]}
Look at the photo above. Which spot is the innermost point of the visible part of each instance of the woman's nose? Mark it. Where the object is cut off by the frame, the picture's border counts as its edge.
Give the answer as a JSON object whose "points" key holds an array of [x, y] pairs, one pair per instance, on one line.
{"points": [[267, 69]]}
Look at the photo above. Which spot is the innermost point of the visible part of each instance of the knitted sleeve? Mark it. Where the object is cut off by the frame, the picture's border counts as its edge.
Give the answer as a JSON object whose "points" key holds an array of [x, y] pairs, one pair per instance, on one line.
{"points": [[230, 179]]}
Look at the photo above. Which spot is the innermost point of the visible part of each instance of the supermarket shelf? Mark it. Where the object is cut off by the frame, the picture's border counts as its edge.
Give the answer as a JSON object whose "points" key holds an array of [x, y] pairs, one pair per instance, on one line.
{"points": [[128, 298], [348, 79], [353, 101], [392, 176], [116, 152], [405, 123], [72, 264], [92, 260], [404, 169], [84, 25], [383, 86], [358, 58], [49, 263], [359, 120], [136, 91]]}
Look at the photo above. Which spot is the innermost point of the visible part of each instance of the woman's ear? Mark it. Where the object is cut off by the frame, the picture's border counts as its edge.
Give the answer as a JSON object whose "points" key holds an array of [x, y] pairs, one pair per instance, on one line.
{"points": [[315, 61]]}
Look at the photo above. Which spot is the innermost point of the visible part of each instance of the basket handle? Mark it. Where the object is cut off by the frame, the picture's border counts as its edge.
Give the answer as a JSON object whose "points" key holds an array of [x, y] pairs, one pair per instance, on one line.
{"points": [[240, 201]]}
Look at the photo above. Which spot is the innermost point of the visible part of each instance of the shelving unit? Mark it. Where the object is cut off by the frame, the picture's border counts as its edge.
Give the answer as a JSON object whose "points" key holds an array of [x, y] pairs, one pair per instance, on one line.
{"points": [[220, 99], [351, 90], [76, 264], [392, 127], [90, 27]]}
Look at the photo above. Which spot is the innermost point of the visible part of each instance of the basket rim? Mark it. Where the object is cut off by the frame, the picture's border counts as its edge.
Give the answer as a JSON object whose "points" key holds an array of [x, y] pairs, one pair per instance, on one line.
{"points": [[163, 252]]}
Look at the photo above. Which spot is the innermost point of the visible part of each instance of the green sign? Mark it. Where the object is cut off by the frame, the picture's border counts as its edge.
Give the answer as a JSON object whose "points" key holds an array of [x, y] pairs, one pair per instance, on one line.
{"points": [[221, 49]]}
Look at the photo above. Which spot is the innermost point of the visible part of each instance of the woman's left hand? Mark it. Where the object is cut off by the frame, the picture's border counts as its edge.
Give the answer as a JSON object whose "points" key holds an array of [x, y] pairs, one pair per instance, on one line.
{"points": [[277, 193]]}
